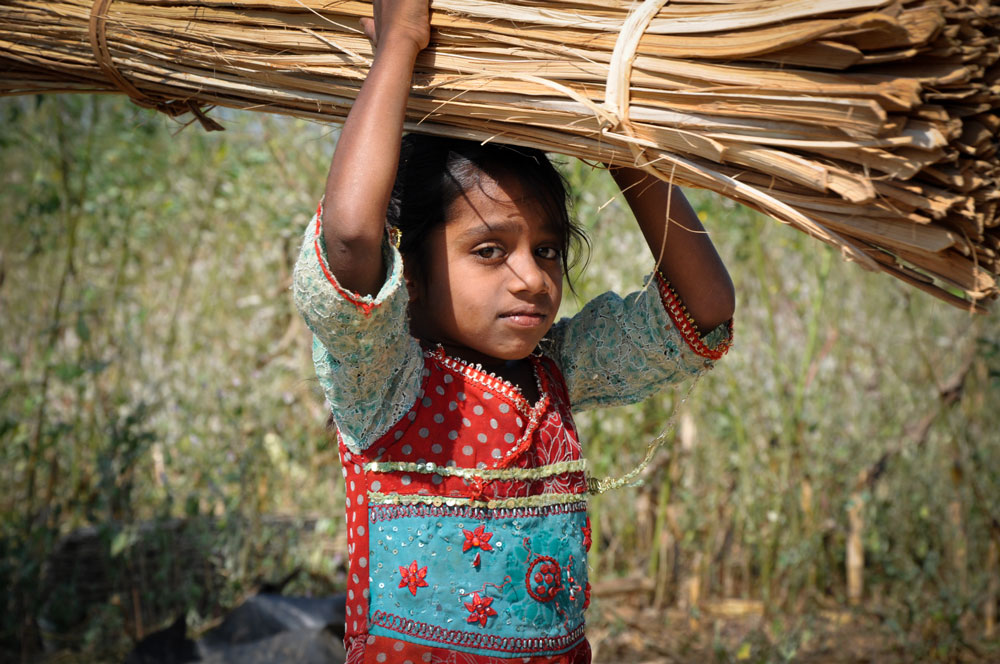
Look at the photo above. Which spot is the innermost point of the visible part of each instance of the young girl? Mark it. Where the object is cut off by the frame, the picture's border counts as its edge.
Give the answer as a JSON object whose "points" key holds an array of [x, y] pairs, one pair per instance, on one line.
{"points": [[451, 385]]}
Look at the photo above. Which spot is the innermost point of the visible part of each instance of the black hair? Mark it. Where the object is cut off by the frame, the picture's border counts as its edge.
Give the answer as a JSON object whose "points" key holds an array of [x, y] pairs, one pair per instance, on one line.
{"points": [[434, 171]]}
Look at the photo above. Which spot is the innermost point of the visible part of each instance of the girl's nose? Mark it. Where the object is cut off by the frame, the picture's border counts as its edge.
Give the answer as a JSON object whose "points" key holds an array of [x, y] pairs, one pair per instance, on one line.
{"points": [[528, 275]]}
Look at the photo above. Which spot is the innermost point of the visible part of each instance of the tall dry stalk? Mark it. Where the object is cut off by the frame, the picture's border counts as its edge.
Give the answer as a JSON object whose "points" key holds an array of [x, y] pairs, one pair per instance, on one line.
{"points": [[959, 546], [992, 586], [855, 562]]}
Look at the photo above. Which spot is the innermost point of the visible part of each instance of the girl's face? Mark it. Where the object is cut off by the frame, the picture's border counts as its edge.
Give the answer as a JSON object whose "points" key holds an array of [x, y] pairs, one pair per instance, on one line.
{"points": [[493, 280]]}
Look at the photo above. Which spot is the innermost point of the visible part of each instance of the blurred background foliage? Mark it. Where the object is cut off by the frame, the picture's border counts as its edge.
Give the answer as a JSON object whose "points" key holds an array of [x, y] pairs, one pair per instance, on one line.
{"points": [[163, 447]]}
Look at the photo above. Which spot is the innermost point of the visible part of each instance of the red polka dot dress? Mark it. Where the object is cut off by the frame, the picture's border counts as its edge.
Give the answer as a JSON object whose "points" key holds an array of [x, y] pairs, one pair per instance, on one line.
{"points": [[466, 504]]}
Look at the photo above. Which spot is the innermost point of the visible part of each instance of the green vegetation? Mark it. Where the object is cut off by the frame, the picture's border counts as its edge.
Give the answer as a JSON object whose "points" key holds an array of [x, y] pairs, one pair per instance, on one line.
{"points": [[156, 388]]}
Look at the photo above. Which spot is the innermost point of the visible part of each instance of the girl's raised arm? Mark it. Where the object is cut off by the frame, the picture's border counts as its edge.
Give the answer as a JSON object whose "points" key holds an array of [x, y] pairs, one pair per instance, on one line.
{"points": [[686, 257], [364, 164]]}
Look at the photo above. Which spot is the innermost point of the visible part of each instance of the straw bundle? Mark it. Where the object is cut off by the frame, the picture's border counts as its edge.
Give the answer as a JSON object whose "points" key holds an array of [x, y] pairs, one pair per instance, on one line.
{"points": [[869, 124]]}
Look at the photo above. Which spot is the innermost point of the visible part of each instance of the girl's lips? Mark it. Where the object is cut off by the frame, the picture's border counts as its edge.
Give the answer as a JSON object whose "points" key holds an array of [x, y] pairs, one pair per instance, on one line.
{"points": [[525, 318]]}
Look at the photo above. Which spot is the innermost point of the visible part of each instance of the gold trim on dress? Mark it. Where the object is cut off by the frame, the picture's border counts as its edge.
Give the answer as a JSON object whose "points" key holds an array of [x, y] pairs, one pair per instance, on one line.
{"points": [[575, 466], [540, 500]]}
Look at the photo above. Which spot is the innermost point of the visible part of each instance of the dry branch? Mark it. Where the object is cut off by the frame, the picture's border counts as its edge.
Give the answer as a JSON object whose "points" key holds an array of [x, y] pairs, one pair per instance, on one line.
{"points": [[869, 124]]}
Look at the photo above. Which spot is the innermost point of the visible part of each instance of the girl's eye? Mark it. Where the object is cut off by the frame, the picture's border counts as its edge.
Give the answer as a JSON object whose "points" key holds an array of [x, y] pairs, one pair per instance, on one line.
{"points": [[547, 252], [490, 252]]}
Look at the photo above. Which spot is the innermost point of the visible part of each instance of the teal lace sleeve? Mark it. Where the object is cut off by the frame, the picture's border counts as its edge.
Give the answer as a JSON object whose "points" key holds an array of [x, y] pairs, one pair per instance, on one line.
{"points": [[367, 363], [622, 350]]}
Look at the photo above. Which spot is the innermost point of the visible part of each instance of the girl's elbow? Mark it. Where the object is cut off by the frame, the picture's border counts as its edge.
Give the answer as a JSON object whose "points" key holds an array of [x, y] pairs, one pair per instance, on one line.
{"points": [[727, 301], [712, 311]]}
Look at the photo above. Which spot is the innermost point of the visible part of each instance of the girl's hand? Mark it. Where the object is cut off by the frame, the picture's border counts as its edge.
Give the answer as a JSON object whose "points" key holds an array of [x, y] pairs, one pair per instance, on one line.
{"points": [[399, 20]]}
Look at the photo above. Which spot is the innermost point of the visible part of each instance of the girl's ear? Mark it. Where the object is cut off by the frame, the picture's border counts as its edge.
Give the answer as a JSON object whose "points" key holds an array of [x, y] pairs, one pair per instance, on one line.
{"points": [[412, 283]]}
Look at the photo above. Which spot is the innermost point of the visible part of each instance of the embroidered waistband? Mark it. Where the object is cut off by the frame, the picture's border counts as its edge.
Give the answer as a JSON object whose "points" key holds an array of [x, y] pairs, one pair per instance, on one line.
{"points": [[540, 500]]}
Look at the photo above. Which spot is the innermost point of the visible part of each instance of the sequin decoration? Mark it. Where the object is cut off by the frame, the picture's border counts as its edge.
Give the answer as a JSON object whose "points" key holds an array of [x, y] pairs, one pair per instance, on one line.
{"points": [[478, 538], [413, 578], [577, 465], [479, 609]]}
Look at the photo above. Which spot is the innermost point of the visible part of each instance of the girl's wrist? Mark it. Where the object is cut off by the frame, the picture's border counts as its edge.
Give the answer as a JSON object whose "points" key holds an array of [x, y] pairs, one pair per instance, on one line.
{"points": [[402, 52], [403, 38], [406, 45]]}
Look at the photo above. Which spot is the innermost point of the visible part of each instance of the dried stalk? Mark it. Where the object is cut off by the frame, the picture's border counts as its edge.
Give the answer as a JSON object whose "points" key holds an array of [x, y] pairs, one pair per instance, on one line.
{"points": [[869, 124]]}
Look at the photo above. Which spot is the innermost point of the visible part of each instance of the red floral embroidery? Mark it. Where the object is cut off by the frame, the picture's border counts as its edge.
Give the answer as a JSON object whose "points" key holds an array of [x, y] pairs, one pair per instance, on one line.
{"points": [[479, 609], [586, 595], [586, 535], [477, 561], [477, 538], [412, 577]]}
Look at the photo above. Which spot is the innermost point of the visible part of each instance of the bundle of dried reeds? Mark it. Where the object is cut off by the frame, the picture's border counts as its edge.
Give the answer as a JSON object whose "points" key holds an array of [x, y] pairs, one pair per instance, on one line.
{"points": [[870, 124]]}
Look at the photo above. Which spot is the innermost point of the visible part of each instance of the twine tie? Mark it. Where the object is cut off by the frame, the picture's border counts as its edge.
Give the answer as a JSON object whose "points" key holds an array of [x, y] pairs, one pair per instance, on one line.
{"points": [[99, 44]]}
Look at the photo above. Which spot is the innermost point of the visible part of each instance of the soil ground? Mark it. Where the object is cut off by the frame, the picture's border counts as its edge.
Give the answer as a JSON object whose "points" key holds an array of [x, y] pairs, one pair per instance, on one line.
{"points": [[737, 631]]}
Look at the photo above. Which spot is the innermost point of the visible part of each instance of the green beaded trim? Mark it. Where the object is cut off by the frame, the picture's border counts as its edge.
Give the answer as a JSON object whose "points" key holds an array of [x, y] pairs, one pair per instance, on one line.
{"points": [[541, 500], [579, 465]]}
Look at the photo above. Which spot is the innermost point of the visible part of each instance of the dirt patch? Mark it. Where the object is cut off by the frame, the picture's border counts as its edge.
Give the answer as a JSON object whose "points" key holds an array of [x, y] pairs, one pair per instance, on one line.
{"points": [[740, 631]]}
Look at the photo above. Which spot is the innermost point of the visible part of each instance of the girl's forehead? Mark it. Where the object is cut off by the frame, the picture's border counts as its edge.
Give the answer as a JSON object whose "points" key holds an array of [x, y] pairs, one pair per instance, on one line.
{"points": [[499, 206], [502, 187]]}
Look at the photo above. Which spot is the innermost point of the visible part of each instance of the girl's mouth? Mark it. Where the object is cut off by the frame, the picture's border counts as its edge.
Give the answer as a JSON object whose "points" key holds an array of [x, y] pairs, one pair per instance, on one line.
{"points": [[524, 318]]}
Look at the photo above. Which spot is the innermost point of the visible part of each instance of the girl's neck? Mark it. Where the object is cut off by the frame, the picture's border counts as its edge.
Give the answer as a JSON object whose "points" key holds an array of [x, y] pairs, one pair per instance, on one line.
{"points": [[519, 373]]}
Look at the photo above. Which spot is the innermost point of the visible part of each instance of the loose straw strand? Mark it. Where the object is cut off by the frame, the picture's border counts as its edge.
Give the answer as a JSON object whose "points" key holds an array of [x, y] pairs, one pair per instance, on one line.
{"points": [[617, 87]]}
